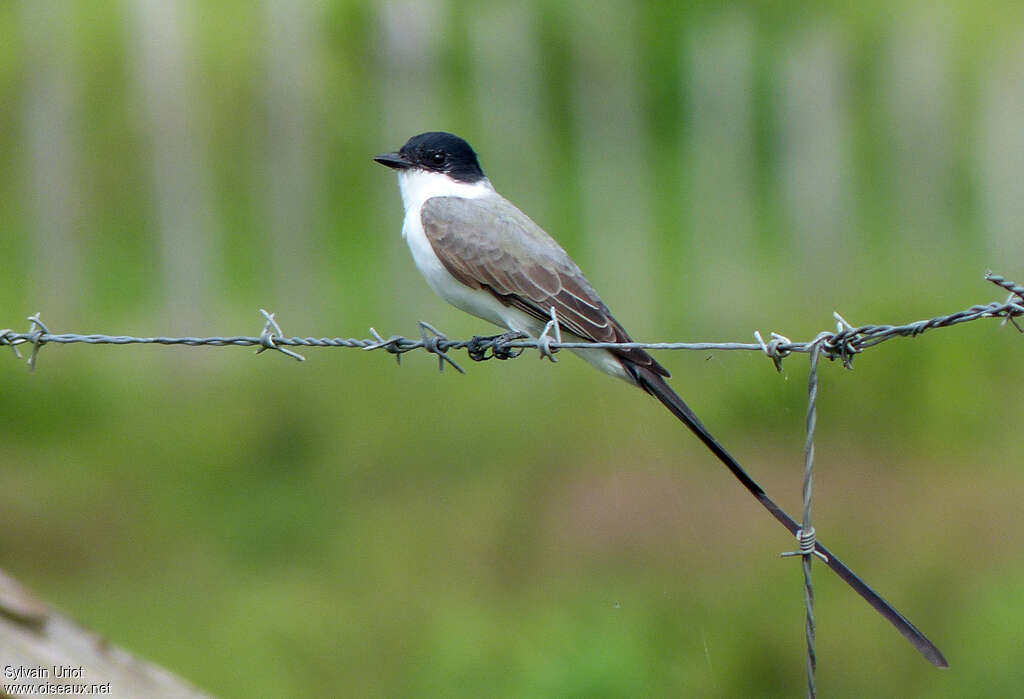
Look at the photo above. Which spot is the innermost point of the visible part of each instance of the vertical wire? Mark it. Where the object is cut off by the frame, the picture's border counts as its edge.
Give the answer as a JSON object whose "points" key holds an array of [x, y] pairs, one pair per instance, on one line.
{"points": [[806, 530]]}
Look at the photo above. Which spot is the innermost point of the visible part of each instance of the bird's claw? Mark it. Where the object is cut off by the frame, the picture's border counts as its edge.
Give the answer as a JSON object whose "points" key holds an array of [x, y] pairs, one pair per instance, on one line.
{"points": [[480, 349], [544, 341]]}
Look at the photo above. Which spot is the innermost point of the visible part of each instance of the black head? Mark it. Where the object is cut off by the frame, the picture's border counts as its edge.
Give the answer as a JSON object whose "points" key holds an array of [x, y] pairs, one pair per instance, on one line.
{"points": [[436, 151]]}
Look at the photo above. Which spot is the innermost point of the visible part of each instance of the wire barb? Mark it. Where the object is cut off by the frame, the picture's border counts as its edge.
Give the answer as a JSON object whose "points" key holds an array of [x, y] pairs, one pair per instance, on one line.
{"points": [[267, 337], [777, 349], [6, 338], [37, 338], [390, 345], [1016, 291], [437, 343], [807, 540]]}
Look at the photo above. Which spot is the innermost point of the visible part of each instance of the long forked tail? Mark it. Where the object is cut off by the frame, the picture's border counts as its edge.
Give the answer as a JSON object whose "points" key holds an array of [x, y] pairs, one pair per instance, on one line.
{"points": [[656, 385]]}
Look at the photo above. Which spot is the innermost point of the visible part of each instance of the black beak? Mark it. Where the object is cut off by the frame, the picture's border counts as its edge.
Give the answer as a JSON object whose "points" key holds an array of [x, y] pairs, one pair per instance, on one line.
{"points": [[395, 161]]}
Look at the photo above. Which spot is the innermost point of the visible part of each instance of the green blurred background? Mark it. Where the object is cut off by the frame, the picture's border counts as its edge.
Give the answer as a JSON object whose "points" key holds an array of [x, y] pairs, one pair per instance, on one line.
{"points": [[347, 527]]}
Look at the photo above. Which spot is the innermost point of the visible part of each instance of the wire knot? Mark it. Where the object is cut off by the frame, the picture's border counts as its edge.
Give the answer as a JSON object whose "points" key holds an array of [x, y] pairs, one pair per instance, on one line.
{"points": [[808, 542], [776, 349], [842, 344], [267, 337], [9, 341], [392, 345], [1013, 307], [437, 343], [37, 339]]}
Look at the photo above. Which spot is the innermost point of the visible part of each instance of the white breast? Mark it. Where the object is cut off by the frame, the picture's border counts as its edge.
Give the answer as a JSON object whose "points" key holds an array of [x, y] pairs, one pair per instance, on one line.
{"points": [[417, 186]]}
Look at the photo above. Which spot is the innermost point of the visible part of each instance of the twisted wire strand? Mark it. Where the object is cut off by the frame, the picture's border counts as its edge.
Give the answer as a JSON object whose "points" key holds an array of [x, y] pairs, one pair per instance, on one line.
{"points": [[806, 533], [843, 344]]}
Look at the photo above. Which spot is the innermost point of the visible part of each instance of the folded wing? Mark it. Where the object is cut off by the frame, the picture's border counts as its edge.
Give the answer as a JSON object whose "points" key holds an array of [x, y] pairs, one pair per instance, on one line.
{"points": [[489, 244]]}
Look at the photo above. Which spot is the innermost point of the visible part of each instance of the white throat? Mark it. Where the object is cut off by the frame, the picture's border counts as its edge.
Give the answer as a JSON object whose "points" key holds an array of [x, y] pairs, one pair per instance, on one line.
{"points": [[418, 185]]}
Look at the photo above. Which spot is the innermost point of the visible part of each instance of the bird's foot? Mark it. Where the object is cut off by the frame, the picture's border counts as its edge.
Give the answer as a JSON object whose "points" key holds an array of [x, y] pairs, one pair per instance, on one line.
{"points": [[480, 349], [544, 341]]}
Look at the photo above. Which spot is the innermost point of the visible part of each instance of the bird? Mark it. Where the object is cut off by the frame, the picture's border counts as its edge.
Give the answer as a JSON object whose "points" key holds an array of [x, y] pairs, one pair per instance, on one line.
{"points": [[483, 255]]}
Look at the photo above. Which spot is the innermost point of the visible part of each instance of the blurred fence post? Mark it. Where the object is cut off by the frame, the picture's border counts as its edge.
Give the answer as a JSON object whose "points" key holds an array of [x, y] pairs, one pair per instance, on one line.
{"points": [[291, 172], [507, 87], [51, 128], [815, 147], [181, 189], [409, 76], [614, 177], [917, 89], [719, 80], [1000, 154]]}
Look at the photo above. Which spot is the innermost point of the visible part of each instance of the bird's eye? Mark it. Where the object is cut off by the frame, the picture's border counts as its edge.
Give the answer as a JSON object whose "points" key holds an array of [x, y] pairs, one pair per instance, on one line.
{"points": [[438, 158]]}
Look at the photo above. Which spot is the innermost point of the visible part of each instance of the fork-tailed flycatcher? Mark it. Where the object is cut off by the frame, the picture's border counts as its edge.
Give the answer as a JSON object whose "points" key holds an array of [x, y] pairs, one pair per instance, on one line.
{"points": [[483, 255]]}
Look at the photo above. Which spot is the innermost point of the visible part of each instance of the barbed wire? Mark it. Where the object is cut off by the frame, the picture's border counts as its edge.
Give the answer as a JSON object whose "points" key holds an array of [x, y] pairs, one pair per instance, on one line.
{"points": [[805, 535], [842, 345]]}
